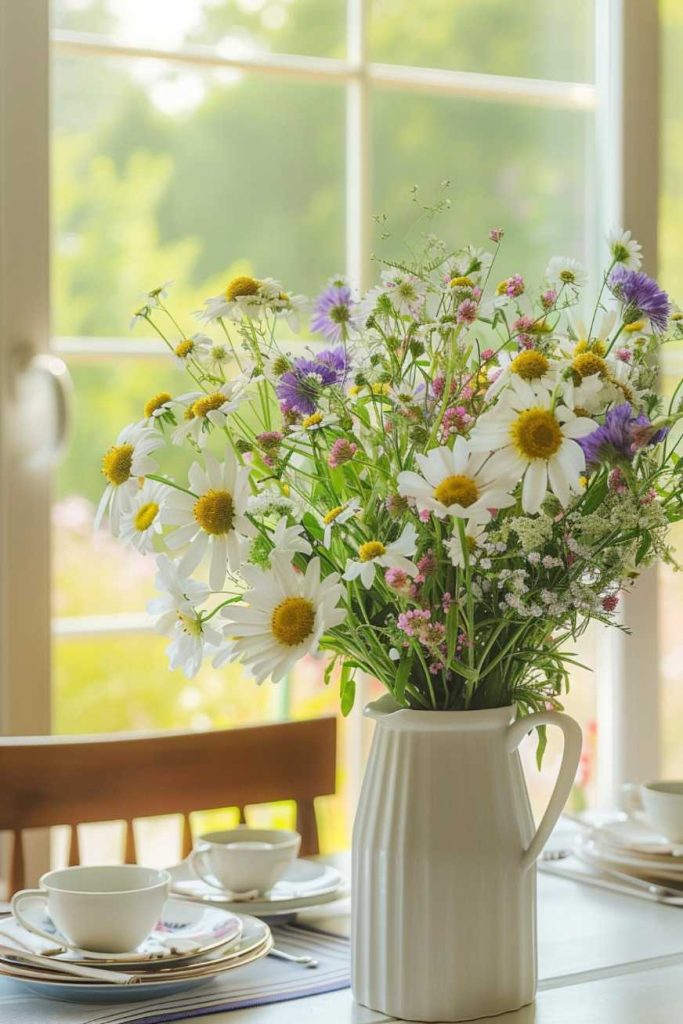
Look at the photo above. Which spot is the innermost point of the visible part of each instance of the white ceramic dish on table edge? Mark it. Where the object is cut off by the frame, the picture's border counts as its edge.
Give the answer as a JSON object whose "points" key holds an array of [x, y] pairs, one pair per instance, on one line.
{"points": [[635, 835], [588, 850], [255, 943], [185, 930], [307, 883]]}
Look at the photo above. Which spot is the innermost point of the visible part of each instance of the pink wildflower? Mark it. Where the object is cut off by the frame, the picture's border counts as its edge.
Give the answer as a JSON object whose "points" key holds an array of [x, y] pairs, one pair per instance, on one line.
{"points": [[467, 311], [495, 234], [487, 354], [515, 286], [549, 298], [341, 451], [424, 515], [616, 481], [610, 602], [624, 355], [428, 564]]}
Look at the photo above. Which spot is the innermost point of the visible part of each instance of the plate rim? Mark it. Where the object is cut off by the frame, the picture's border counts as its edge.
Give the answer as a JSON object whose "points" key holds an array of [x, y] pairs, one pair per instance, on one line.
{"points": [[92, 959]]}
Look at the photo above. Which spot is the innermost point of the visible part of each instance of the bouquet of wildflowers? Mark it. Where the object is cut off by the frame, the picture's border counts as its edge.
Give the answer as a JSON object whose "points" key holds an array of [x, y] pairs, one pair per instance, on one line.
{"points": [[442, 490]]}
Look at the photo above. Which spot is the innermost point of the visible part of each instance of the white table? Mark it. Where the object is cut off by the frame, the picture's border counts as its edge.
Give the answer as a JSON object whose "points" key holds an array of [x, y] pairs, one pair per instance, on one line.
{"points": [[603, 959]]}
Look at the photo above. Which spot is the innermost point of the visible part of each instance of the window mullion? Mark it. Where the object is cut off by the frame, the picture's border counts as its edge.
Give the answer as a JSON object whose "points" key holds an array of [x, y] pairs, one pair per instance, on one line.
{"points": [[628, 125]]}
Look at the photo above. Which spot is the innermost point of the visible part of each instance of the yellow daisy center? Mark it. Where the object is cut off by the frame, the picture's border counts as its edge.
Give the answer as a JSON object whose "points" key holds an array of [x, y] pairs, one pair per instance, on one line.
{"points": [[330, 516], [461, 282], [313, 420], [184, 348], [457, 490], [214, 512], [536, 434], [117, 464], [596, 346], [145, 516], [530, 365], [637, 325], [471, 544], [371, 549], [293, 620], [242, 285], [156, 402], [567, 276], [588, 363], [208, 403]]}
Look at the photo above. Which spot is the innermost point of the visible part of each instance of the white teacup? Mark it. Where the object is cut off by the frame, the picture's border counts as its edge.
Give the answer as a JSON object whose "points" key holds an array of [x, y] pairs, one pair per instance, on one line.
{"points": [[108, 909], [245, 859], [661, 803]]}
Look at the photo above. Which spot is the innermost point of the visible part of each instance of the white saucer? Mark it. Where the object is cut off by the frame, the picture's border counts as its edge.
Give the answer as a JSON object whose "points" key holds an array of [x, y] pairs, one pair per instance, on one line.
{"points": [[254, 943], [651, 868], [306, 883], [185, 930], [634, 835]]}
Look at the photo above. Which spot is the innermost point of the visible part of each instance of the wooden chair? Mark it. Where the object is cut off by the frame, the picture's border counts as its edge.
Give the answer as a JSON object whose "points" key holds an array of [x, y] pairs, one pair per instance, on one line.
{"points": [[56, 780]]}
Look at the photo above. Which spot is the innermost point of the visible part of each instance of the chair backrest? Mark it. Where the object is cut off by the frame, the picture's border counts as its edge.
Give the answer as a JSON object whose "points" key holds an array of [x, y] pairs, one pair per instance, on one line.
{"points": [[57, 780]]}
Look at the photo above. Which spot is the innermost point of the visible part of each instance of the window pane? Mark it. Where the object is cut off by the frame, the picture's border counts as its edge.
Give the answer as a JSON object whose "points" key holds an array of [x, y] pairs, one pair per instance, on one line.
{"points": [[671, 273], [173, 174], [522, 169], [534, 39], [235, 28]]}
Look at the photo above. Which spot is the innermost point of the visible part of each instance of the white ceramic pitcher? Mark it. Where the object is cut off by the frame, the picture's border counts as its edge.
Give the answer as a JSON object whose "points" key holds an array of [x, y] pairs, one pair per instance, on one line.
{"points": [[444, 882]]}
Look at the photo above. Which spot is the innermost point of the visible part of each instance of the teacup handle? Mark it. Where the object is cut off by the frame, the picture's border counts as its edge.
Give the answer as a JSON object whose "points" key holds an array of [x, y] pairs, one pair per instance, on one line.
{"points": [[36, 894], [630, 798], [565, 778], [197, 864]]}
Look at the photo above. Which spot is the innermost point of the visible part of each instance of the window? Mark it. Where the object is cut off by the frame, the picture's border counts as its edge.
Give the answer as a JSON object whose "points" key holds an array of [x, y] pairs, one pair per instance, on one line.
{"points": [[193, 138]]}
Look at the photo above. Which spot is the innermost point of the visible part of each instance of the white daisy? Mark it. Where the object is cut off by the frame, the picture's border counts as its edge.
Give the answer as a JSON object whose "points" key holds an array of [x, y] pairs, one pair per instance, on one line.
{"points": [[529, 364], [202, 411], [244, 296], [157, 407], [406, 291], [563, 270], [140, 314], [337, 516], [211, 520], [288, 540], [142, 521], [195, 347], [160, 292], [624, 249], [374, 553], [179, 618], [122, 465], [455, 482], [535, 441], [290, 308], [283, 617], [473, 533], [218, 356]]}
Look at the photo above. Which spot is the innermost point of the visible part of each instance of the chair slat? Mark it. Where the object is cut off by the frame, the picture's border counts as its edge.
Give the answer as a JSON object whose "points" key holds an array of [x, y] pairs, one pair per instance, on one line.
{"points": [[74, 849], [130, 853], [308, 827], [187, 836], [16, 870]]}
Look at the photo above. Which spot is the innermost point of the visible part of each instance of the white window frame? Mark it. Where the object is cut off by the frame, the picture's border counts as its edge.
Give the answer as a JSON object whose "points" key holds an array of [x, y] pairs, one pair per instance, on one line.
{"points": [[626, 109]]}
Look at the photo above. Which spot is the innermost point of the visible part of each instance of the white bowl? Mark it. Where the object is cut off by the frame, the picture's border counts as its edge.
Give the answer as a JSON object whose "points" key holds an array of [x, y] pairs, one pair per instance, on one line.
{"points": [[243, 859]]}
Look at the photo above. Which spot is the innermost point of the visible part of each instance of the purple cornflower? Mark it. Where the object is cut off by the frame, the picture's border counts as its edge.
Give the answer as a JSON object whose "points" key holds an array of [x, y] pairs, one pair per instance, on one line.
{"points": [[620, 435], [641, 296], [333, 311], [300, 387]]}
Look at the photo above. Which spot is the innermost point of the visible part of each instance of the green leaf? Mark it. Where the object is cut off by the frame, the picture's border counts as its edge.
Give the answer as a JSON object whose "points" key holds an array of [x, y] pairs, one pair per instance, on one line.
{"points": [[331, 665], [542, 744], [399, 687], [347, 689], [643, 548]]}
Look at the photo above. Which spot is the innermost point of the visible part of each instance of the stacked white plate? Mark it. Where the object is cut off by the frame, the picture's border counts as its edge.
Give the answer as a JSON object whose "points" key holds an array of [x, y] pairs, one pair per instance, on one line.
{"points": [[630, 847], [305, 884], [191, 944]]}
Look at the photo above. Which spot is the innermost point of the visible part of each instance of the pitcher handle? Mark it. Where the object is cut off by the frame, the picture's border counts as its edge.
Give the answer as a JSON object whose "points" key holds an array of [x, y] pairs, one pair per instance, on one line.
{"points": [[565, 778]]}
